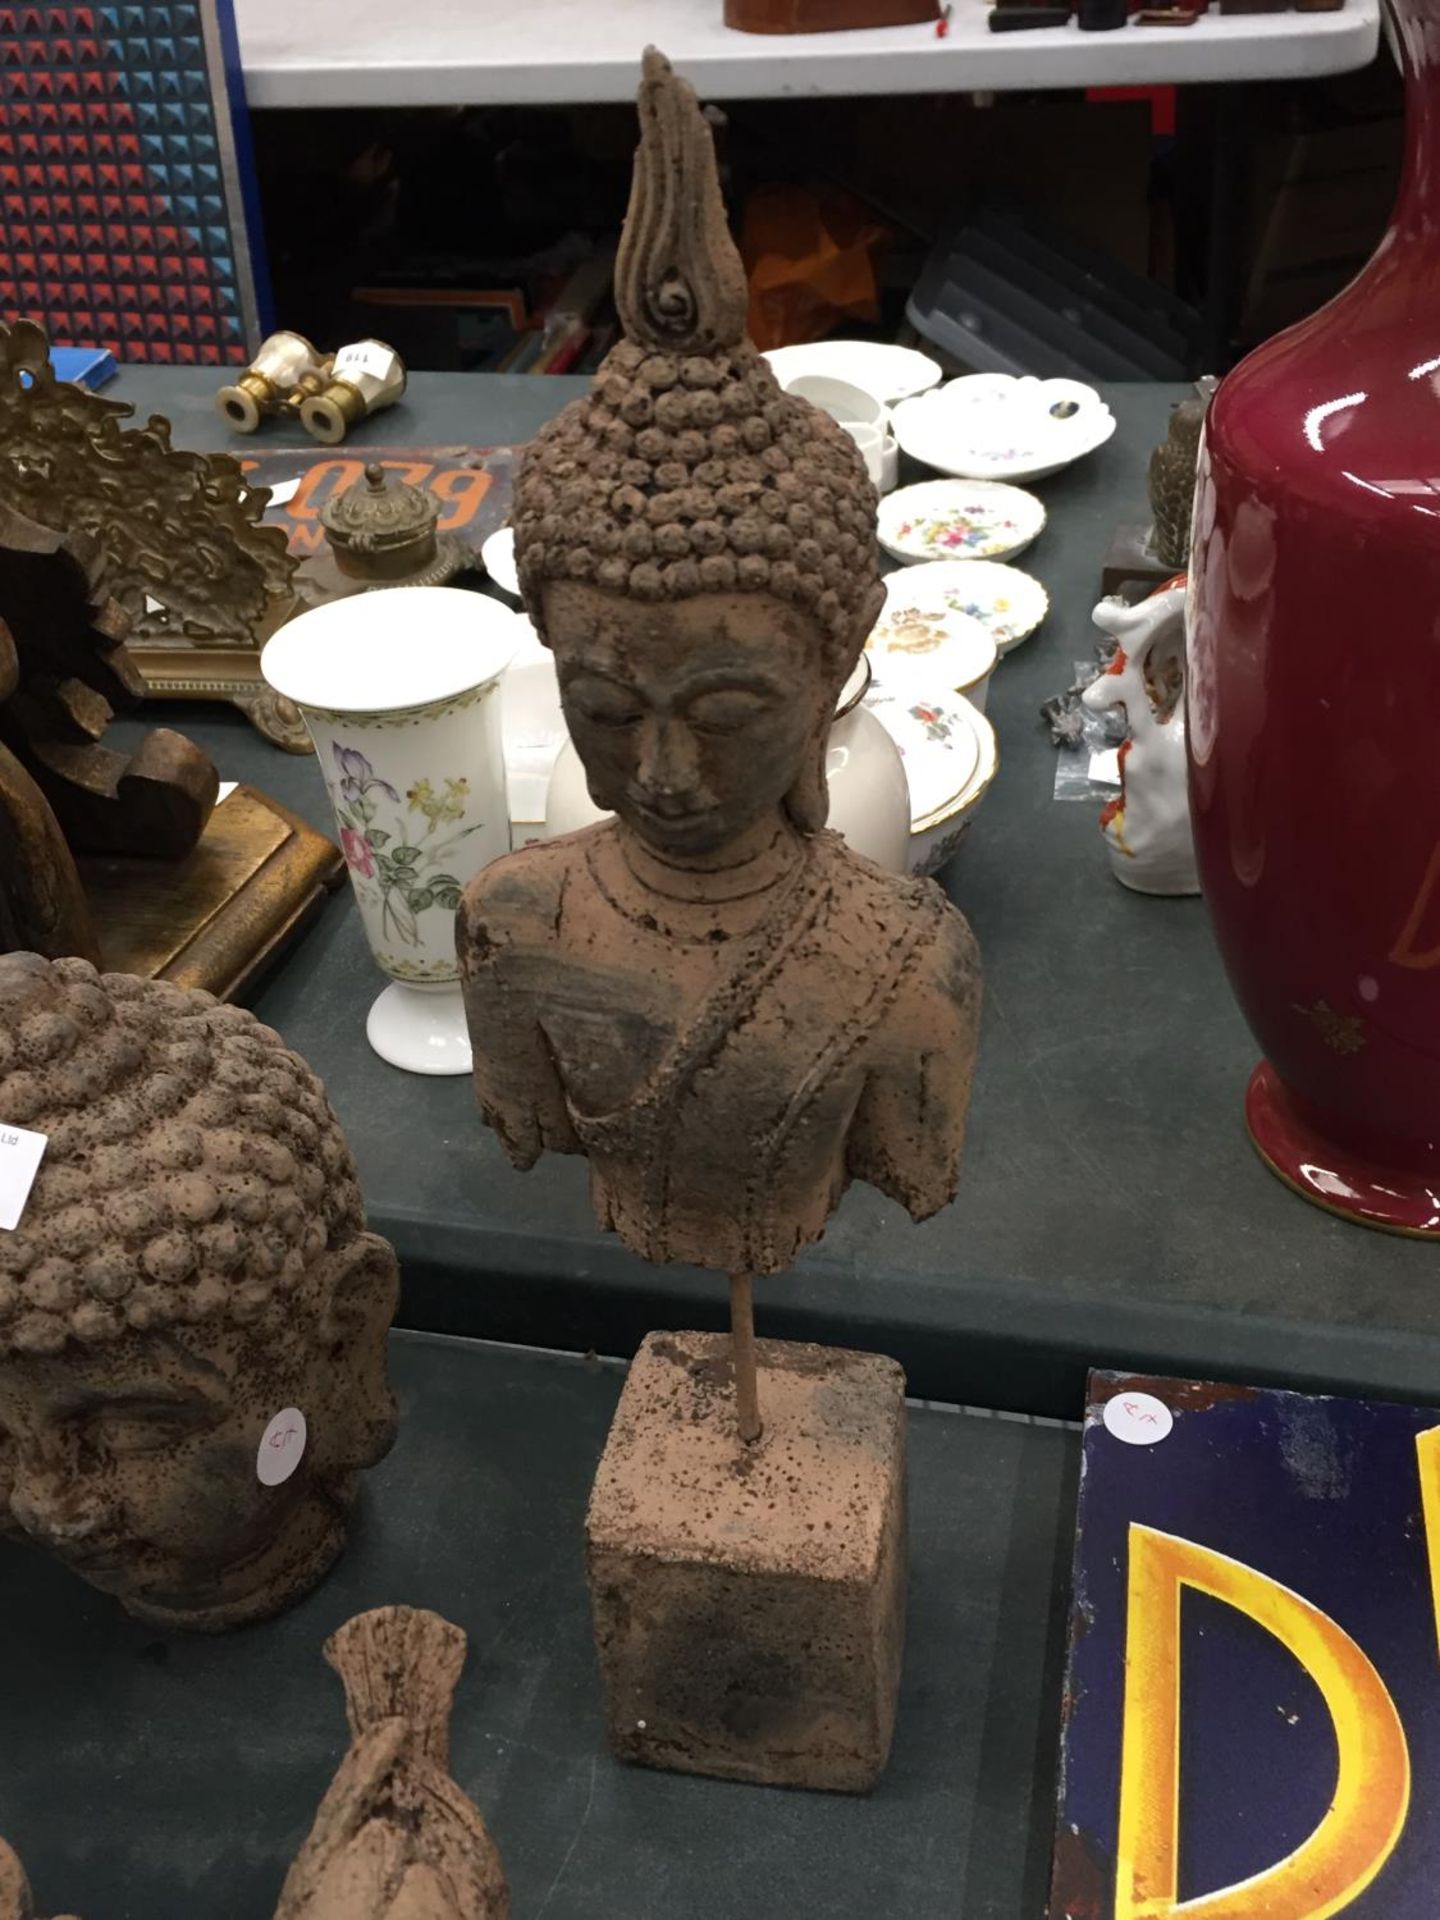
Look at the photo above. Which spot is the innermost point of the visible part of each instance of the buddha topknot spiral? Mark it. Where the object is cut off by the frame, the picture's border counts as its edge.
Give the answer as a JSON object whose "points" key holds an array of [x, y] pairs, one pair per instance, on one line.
{"points": [[194, 1170], [687, 469]]}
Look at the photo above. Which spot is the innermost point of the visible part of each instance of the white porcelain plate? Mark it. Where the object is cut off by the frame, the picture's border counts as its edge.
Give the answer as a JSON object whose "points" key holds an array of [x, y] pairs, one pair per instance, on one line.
{"points": [[498, 554], [1009, 603], [890, 373], [995, 426], [950, 647], [958, 520]]}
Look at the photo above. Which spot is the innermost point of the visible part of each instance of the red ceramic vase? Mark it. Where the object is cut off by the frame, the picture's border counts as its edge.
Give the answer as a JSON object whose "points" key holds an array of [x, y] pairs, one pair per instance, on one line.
{"points": [[1313, 709]]}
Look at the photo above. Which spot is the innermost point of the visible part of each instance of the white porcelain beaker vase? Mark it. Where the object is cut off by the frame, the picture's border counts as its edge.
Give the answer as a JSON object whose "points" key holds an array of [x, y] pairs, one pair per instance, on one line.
{"points": [[401, 694]]}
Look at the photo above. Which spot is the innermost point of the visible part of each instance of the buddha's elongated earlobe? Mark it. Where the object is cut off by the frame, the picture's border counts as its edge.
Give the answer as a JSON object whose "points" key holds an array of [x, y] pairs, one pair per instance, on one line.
{"points": [[868, 614], [808, 801], [365, 1289]]}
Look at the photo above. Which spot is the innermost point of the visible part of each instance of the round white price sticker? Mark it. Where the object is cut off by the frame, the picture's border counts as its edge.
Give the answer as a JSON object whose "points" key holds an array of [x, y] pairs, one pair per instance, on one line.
{"points": [[1139, 1419], [282, 1447]]}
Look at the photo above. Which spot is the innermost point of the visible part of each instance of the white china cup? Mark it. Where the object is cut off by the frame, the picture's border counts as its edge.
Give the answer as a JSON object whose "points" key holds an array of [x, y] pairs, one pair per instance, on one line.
{"points": [[871, 442], [855, 408]]}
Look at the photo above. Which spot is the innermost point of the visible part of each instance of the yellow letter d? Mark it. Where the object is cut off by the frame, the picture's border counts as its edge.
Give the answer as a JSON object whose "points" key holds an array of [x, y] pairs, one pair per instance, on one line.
{"points": [[1372, 1784]]}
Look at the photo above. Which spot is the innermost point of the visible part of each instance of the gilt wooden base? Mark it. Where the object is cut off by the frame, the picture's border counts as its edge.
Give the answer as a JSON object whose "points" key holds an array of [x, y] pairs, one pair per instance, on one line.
{"points": [[173, 671], [214, 919]]}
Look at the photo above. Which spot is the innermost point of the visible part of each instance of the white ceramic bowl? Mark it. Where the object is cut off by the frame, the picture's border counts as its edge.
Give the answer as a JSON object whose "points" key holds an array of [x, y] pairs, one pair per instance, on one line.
{"points": [[860, 409], [994, 426], [958, 520], [846, 404], [1008, 603], [891, 373]]}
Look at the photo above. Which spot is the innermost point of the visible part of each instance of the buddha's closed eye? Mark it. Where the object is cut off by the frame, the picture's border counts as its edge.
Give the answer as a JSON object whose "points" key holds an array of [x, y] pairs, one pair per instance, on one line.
{"points": [[146, 1426], [604, 703], [726, 710]]}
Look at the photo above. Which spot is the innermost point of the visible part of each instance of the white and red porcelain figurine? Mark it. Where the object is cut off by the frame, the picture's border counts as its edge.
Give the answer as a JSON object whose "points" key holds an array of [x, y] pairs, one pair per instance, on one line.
{"points": [[1147, 826]]}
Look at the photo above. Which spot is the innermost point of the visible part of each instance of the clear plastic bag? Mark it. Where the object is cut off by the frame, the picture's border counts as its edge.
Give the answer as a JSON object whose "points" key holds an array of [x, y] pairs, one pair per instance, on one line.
{"points": [[1089, 770]]}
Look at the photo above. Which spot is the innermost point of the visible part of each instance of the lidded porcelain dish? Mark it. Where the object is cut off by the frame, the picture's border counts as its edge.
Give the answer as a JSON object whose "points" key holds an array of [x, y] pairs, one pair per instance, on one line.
{"points": [[533, 726], [950, 753]]}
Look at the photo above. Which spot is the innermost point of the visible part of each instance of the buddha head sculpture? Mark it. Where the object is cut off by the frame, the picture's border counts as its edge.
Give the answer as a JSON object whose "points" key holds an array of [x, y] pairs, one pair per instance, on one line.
{"points": [[729, 1012], [695, 545], [190, 1264]]}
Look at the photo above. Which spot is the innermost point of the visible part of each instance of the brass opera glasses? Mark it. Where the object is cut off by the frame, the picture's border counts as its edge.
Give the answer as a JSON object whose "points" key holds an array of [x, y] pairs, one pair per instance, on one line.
{"points": [[330, 392]]}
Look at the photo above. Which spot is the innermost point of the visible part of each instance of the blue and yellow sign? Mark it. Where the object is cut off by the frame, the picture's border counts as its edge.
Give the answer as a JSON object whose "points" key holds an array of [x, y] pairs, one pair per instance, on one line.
{"points": [[1252, 1708]]}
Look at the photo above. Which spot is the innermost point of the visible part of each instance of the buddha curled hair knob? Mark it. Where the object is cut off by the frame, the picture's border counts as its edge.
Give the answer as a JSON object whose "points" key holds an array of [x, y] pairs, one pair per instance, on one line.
{"points": [[193, 1169], [687, 469]]}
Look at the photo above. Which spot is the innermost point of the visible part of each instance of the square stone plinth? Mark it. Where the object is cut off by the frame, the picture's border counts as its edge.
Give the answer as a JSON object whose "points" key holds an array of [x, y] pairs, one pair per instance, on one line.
{"points": [[749, 1601]]}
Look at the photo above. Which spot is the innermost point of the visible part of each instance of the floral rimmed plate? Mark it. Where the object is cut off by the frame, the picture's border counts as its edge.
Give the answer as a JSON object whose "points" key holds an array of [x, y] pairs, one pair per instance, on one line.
{"points": [[949, 647], [958, 520], [1008, 603]]}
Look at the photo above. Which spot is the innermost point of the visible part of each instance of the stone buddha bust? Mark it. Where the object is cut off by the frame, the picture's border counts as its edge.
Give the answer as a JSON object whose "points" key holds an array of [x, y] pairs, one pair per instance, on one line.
{"points": [[727, 1011], [190, 1264]]}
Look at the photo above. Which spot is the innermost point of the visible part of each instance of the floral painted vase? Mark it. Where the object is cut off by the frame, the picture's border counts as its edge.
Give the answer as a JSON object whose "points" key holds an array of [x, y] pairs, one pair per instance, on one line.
{"points": [[401, 694], [1313, 689], [400, 850]]}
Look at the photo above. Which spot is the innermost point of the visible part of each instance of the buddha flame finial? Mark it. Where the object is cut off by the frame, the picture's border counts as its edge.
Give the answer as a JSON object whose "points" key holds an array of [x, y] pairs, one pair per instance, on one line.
{"points": [[679, 283]]}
